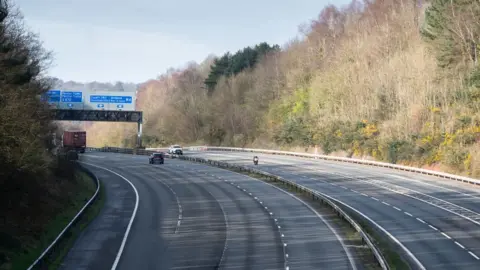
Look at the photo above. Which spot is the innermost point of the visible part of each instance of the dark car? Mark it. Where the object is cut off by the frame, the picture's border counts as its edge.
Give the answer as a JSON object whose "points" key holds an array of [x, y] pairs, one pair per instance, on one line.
{"points": [[156, 158]]}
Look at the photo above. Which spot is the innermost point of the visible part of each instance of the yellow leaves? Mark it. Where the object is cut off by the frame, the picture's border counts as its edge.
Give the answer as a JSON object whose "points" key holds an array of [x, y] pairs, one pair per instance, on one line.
{"points": [[448, 139], [370, 130], [467, 163], [338, 134], [300, 101], [435, 109], [357, 150], [426, 140]]}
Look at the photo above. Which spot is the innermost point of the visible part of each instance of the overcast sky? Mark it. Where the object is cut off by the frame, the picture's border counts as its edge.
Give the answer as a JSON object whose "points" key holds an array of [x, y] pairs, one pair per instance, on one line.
{"points": [[133, 41]]}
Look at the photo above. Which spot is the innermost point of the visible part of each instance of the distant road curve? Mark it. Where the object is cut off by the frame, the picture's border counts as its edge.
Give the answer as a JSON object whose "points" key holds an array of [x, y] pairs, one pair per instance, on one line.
{"points": [[199, 217], [436, 219]]}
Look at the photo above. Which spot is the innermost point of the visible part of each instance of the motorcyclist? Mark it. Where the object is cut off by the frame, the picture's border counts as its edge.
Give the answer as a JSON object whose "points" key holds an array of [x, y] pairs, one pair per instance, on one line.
{"points": [[255, 160]]}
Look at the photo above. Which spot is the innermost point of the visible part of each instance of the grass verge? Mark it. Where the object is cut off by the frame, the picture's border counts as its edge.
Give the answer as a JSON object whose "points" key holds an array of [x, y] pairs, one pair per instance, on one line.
{"points": [[86, 188], [352, 238]]}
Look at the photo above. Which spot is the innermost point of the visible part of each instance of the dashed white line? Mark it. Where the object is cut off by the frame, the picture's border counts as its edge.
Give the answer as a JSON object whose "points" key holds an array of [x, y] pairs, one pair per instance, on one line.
{"points": [[433, 227], [386, 203], [396, 208], [460, 245], [408, 214], [421, 220], [363, 194], [446, 235], [473, 255], [373, 198], [344, 187]]}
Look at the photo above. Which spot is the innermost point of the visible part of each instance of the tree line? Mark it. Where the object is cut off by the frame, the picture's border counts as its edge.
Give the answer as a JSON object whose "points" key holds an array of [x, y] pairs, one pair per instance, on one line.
{"points": [[396, 81]]}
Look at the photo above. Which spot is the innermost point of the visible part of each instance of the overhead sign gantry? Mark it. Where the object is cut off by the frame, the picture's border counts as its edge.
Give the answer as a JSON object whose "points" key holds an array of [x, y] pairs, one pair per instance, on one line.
{"points": [[106, 106]]}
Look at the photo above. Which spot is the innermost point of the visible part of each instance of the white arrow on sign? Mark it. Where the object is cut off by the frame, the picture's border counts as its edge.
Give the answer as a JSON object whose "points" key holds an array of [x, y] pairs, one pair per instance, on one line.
{"points": [[100, 105], [119, 106]]}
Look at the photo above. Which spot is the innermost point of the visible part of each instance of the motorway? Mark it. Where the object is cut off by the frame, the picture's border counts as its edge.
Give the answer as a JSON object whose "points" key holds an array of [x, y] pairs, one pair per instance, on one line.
{"points": [[182, 215], [436, 220]]}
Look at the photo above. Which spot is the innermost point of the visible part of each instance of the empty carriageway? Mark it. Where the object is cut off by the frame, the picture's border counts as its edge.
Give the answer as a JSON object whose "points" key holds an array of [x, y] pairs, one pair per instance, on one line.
{"points": [[434, 219], [192, 216]]}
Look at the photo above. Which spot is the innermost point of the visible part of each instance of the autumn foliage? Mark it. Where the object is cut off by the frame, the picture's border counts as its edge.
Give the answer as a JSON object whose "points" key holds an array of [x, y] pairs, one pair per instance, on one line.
{"points": [[391, 80]]}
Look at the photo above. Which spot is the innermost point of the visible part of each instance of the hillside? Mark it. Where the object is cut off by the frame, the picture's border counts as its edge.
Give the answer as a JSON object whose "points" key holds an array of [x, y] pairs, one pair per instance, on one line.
{"points": [[388, 80]]}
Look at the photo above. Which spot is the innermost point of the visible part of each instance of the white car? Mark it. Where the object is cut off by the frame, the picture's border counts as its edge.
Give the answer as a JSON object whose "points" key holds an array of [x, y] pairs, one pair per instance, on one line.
{"points": [[175, 149]]}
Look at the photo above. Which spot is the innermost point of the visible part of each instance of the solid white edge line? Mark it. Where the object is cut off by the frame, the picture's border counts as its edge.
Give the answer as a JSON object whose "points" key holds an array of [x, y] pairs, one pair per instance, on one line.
{"points": [[68, 225], [127, 232], [347, 251], [409, 253]]}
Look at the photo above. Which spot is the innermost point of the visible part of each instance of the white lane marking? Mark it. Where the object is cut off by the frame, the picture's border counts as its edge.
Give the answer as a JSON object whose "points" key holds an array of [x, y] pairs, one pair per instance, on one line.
{"points": [[127, 232], [373, 198], [473, 255], [347, 251], [396, 208], [386, 203], [408, 214], [446, 235], [460, 245], [471, 212], [424, 222], [409, 253], [421, 220], [433, 227], [344, 187], [179, 205], [422, 182], [363, 194]]}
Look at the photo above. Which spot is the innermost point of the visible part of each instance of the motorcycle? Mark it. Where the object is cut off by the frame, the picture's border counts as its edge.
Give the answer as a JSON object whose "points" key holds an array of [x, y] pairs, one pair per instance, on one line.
{"points": [[255, 160]]}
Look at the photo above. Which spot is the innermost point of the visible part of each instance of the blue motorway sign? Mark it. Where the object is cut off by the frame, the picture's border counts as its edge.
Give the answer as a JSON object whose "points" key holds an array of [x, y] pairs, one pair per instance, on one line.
{"points": [[74, 97], [111, 99], [52, 96]]}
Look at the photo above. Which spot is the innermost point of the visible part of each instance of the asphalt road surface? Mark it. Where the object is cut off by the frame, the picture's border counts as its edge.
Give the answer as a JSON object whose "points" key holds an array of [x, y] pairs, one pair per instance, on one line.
{"points": [[437, 220], [192, 216]]}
